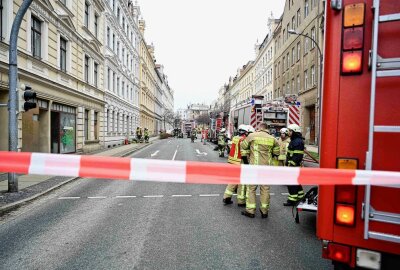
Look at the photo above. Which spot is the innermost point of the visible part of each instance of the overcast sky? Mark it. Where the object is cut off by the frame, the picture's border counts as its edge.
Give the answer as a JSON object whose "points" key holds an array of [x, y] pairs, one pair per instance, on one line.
{"points": [[203, 42]]}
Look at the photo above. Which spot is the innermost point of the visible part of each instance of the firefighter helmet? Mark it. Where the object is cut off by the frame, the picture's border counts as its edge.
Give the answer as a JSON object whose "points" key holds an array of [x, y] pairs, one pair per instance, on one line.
{"points": [[243, 127], [294, 128], [284, 131], [222, 130], [250, 129]]}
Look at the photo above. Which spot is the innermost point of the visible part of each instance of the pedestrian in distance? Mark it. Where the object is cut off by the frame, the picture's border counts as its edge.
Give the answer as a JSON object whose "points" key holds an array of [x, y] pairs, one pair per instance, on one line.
{"points": [[294, 158], [262, 147], [237, 157]]}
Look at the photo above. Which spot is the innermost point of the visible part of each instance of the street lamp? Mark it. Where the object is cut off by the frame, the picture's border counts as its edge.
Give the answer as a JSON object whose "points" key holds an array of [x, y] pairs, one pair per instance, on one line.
{"points": [[293, 32]]}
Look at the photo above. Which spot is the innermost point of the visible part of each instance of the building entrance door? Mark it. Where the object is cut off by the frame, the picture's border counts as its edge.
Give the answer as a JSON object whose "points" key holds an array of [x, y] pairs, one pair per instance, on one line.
{"points": [[55, 132]]}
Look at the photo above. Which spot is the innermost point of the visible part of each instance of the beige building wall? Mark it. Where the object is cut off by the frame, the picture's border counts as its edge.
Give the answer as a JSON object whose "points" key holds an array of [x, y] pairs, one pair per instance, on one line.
{"points": [[296, 63], [64, 92], [147, 83]]}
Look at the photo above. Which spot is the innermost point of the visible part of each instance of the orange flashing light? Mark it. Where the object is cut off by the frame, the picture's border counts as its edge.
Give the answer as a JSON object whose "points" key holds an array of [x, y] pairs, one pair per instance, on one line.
{"points": [[352, 62], [354, 15], [345, 214]]}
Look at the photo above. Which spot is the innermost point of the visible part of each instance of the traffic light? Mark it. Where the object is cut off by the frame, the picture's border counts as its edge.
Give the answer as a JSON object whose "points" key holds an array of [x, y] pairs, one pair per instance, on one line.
{"points": [[26, 98]]}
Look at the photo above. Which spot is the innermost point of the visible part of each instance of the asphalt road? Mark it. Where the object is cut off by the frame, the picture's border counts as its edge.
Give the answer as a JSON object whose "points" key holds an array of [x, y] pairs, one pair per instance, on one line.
{"points": [[107, 224]]}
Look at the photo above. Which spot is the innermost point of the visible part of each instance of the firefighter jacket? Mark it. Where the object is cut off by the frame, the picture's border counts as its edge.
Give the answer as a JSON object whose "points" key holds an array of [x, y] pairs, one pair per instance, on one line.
{"points": [[283, 148], [262, 147], [235, 155], [221, 139], [146, 133], [295, 153], [138, 131]]}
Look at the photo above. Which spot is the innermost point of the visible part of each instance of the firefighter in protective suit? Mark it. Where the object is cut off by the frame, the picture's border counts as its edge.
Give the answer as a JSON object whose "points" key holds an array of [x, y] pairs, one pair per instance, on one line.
{"points": [[262, 148], [283, 141], [294, 158], [237, 157], [221, 142]]}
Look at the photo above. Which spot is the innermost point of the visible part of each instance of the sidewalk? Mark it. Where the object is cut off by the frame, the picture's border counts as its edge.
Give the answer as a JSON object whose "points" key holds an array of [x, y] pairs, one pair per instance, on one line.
{"points": [[312, 148], [32, 186]]}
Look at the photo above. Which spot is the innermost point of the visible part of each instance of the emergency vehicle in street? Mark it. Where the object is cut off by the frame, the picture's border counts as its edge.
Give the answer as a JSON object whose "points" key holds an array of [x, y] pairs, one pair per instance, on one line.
{"points": [[360, 225], [276, 114]]}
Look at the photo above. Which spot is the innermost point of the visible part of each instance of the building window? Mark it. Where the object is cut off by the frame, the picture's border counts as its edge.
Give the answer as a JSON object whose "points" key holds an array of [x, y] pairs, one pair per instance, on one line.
{"points": [[63, 54], [117, 86], [306, 79], [298, 51], [294, 23], [118, 49], [118, 15], [313, 75], [113, 45], [108, 36], [287, 32], [36, 29], [123, 23], [95, 125], [113, 84], [86, 15], [305, 45], [288, 60], [293, 56], [1, 20], [306, 10], [298, 18], [86, 125], [95, 73], [283, 64], [86, 68], [109, 79], [283, 36], [123, 89], [298, 84], [96, 26], [313, 37]]}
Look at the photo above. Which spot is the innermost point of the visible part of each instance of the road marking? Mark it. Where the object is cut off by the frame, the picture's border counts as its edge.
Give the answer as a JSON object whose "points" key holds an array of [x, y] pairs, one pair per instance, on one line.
{"points": [[285, 193], [209, 195], [155, 153], [123, 197], [98, 197], [181, 196], [69, 198], [153, 196], [201, 153], [176, 151]]}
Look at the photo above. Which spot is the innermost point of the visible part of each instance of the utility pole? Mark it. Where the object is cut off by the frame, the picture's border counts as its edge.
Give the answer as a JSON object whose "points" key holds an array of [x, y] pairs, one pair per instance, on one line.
{"points": [[12, 77]]}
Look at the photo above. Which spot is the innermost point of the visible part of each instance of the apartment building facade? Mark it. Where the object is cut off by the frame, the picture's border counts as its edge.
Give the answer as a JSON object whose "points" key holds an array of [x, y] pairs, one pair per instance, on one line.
{"points": [[60, 57], [121, 69], [296, 61]]}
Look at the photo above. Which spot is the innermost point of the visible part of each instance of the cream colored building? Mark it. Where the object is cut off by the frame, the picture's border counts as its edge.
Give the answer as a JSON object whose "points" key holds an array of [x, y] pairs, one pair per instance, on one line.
{"points": [[246, 82], [147, 83], [121, 69], [296, 61], [264, 64], [60, 56]]}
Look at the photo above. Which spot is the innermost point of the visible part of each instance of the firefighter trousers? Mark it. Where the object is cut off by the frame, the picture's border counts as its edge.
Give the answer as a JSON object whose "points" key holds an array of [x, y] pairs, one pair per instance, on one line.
{"points": [[296, 193], [251, 204], [241, 192]]}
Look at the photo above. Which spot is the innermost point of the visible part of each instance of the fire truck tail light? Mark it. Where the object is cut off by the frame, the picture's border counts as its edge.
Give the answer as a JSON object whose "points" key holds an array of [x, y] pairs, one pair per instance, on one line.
{"points": [[339, 253], [345, 214], [353, 38], [352, 62], [345, 194], [354, 15]]}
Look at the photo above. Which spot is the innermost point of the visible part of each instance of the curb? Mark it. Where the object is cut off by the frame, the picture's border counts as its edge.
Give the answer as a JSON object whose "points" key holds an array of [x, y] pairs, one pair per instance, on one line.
{"points": [[15, 205]]}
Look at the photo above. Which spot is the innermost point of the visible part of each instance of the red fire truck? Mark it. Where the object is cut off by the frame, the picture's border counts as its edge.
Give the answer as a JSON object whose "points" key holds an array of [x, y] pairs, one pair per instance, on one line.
{"points": [[360, 225]]}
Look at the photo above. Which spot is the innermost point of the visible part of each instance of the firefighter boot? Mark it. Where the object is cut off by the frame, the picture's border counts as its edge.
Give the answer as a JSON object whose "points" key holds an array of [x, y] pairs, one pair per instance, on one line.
{"points": [[227, 201], [247, 214], [264, 215], [289, 203]]}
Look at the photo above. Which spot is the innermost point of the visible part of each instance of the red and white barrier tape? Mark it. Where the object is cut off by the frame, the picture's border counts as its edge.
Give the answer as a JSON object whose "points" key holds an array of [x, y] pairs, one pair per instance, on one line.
{"points": [[185, 171]]}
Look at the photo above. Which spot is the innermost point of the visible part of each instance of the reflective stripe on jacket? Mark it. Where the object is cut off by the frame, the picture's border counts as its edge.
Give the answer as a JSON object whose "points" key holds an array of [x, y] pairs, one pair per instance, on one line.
{"points": [[235, 155], [284, 144], [262, 147]]}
